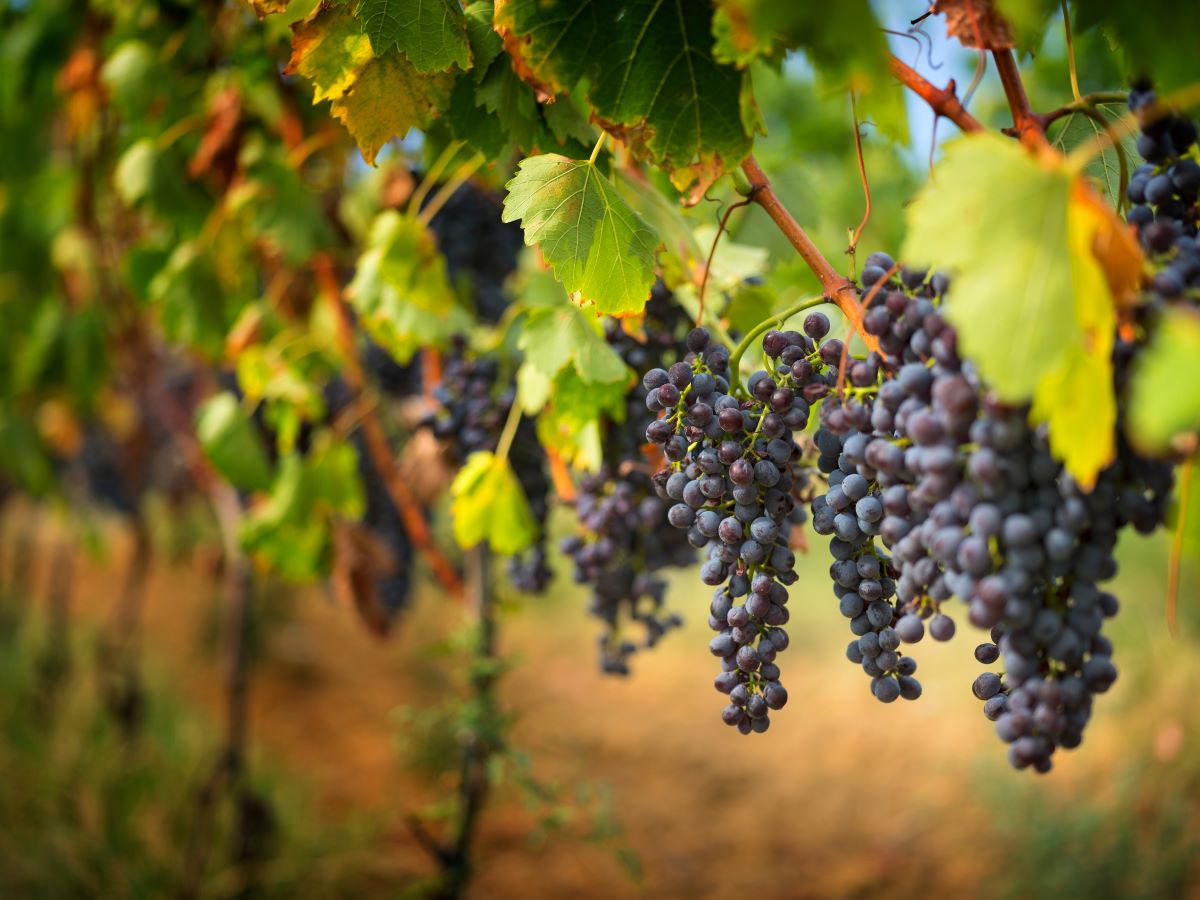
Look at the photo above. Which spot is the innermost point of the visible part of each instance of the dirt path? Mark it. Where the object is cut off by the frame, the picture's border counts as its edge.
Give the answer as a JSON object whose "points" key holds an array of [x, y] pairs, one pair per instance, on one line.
{"points": [[842, 798]]}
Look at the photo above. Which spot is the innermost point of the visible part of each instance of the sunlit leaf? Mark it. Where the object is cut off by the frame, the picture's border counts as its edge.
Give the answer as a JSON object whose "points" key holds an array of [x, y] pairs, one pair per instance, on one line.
{"points": [[329, 49], [487, 504], [1038, 263], [554, 337], [388, 98], [574, 420], [595, 243]]}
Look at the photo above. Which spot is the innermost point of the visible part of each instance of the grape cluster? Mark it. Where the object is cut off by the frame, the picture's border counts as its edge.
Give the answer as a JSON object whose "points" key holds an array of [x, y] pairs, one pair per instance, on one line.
{"points": [[393, 589], [470, 417], [622, 544], [867, 504], [733, 476], [480, 250], [1164, 194], [392, 379], [969, 501]]}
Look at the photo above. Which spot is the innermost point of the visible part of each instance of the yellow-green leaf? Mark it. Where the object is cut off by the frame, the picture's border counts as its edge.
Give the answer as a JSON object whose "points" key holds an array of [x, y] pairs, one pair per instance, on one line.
{"points": [[997, 218], [329, 49], [387, 99], [1076, 396], [595, 243], [487, 504], [1039, 263], [573, 423], [1076, 400]]}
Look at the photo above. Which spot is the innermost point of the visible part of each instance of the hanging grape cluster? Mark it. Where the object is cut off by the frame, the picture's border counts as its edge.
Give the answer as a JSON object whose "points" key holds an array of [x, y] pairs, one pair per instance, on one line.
{"points": [[948, 493], [734, 477], [622, 545]]}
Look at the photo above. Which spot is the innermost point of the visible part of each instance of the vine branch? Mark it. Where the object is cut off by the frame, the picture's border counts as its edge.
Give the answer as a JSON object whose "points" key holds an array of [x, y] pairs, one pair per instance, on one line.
{"points": [[943, 101], [1028, 126], [837, 287]]}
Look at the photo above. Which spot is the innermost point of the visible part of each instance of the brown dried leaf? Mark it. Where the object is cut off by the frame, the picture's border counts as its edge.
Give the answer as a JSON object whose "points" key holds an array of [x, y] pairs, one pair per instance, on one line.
{"points": [[976, 24], [359, 558], [264, 8]]}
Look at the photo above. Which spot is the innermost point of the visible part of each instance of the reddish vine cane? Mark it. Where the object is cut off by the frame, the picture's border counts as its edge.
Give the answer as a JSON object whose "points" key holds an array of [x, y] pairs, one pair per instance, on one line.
{"points": [[837, 287]]}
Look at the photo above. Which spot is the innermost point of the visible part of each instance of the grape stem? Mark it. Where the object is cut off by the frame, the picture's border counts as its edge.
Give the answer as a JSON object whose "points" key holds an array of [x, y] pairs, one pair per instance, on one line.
{"points": [[510, 428], [837, 287], [943, 101], [447, 190], [735, 358]]}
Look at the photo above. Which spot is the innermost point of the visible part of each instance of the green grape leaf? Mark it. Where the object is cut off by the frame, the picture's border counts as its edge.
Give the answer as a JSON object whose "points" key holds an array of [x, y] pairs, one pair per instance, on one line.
{"points": [[595, 243], [495, 108], [683, 253], [388, 98], [333, 473], [400, 288], [487, 504], [485, 43], [652, 77], [467, 122], [1163, 401], [1104, 169], [553, 338], [1138, 29], [431, 33], [193, 304], [567, 121], [281, 532], [289, 531], [573, 423], [512, 102], [843, 41], [330, 50], [231, 443]]}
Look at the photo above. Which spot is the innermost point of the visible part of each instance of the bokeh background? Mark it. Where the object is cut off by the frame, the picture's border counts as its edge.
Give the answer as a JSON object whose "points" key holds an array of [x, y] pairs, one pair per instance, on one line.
{"points": [[614, 787]]}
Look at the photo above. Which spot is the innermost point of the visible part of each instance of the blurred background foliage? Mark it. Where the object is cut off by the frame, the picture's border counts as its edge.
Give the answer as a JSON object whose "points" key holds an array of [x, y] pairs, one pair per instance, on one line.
{"points": [[125, 199]]}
